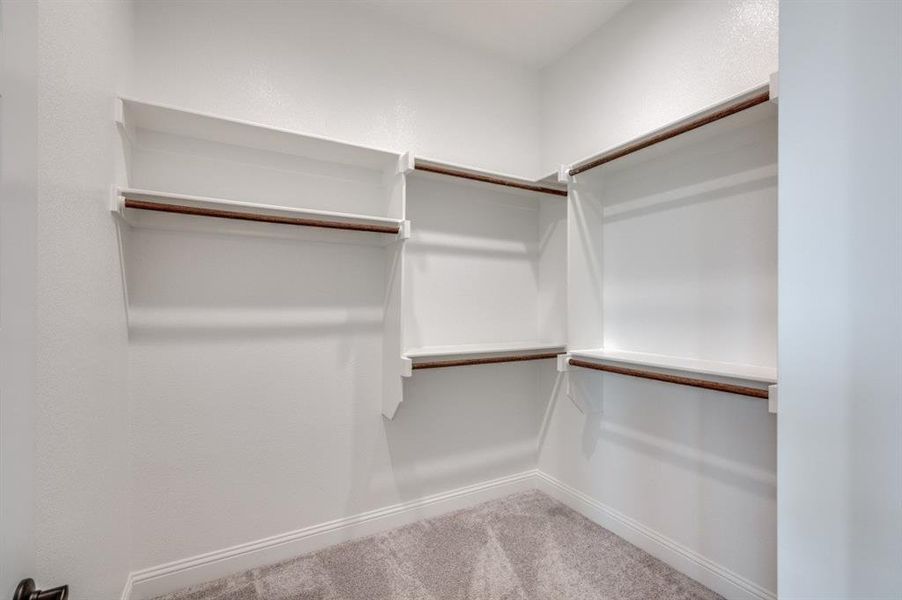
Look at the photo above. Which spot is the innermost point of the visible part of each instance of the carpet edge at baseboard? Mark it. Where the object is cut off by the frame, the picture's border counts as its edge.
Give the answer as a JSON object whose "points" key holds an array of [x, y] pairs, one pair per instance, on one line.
{"points": [[169, 577], [161, 579], [709, 573]]}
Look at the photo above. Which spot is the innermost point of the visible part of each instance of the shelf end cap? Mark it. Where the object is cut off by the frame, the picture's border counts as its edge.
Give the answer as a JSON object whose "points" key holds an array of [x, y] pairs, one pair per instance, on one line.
{"points": [[773, 402], [406, 163], [563, 174], [774, 87]]}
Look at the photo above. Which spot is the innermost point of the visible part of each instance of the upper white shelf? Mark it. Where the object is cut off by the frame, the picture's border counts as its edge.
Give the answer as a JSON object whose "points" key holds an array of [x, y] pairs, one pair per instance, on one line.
{"points": [[510, 183], [135, 115], [732, 113], [751, 373], [471, 350]]}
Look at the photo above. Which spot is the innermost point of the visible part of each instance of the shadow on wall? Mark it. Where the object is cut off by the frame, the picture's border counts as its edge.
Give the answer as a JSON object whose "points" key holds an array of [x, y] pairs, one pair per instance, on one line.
{"points": [[255, 370], [464, 425], [700, 166], [250, 360], [472, 264], [185, 286], [708, 433]]}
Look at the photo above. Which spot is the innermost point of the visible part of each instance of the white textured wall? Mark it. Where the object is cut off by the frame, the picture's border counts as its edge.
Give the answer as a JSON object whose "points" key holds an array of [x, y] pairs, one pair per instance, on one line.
{"points": [[689, 269], [243, 431], [696, 467], [82, 477], [652, 63], [256, 395], [18, 217], [344, 71], [840, 340], [269, 419]]}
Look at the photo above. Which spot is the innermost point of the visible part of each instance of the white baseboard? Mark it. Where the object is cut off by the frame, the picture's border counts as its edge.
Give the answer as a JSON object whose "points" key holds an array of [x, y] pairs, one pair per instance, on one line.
{"points": [[127, 590], [710, 574], [163, 579]]}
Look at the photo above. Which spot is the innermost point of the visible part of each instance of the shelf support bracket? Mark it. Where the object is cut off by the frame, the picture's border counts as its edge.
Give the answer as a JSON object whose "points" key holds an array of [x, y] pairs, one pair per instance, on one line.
{"points": [[563, 174], [117, 202], [406, 367], [775, 87], [404, 232], [119, 112], [563, 367], [406, 163], [127, 130], [773, 399]]}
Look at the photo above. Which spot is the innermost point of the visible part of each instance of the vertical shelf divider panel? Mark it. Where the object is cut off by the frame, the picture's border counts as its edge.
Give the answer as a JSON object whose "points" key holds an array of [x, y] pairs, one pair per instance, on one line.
{"points": [[585, 277], [585, 261], [552, 270], [394, 365]]}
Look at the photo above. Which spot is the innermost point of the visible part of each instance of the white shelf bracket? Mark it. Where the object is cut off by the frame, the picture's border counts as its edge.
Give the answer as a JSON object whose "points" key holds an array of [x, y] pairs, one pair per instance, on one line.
{"points": [[117, 202], [563, 366], [119, 112], [406, 367], [406, 163], [563, 174], [404, 232], [773, 399], [119, 119], [775, 87]]}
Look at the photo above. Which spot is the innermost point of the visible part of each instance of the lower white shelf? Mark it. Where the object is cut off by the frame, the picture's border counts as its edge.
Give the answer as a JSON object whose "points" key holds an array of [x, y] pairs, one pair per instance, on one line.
{"points": [[147, 208], [430, 357], [732, 371]]}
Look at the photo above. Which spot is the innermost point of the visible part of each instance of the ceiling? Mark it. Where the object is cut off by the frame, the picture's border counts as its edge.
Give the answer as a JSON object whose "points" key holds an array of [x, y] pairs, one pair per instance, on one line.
{"points": [[532, 33]]}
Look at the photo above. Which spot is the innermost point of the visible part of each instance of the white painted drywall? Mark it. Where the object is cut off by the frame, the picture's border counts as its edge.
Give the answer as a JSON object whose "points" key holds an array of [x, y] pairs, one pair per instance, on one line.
{"points": [[474, 265], [18, 216], [532, 34], [697, 467], [687, 267], [840, 340], [269, 420], [344, 70], [255, 372], [82, 474], [689, 257], [651, 64], [255, 364]]}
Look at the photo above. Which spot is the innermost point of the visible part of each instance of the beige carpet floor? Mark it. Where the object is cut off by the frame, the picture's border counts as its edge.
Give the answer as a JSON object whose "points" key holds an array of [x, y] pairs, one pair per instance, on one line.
{"points": [[522, 547]]}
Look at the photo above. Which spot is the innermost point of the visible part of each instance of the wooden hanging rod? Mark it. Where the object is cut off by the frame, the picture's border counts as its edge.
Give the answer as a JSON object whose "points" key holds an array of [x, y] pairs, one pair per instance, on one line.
{"points": [[701, 121], [486, 178], [488, 360], [677, 379], [261, 218]]}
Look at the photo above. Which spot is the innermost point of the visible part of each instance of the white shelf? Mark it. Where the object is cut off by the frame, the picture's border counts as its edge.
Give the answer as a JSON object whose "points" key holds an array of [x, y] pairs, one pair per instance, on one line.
{"points": [[750, 373], [434, 169], [735, 121], [327, 222], [135, 115], [481, 350]]}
